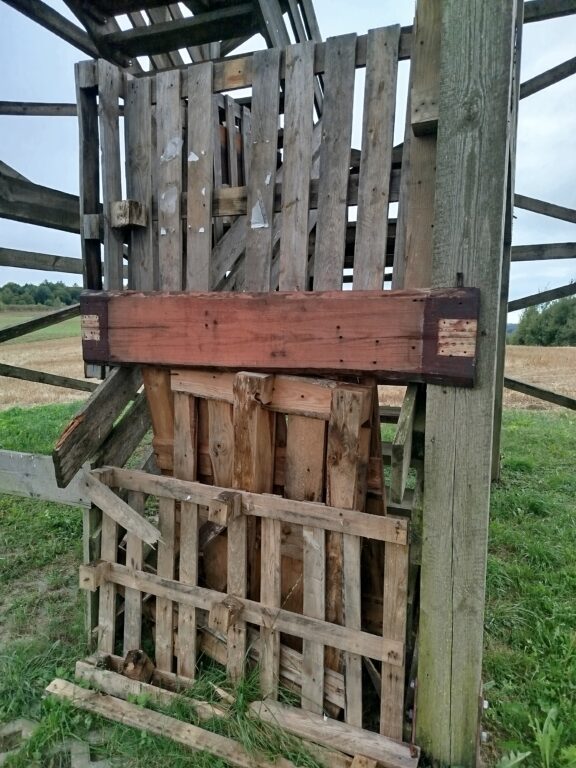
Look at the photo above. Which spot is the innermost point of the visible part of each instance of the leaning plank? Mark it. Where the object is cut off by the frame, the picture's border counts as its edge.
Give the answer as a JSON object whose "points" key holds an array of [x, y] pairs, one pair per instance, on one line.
{"points": [[546, 209], [402, 445], [336, 735], [32, 475], [117, 509], [125, 436], [51, 318], [543, 297], [541, 251], [92, 424], [539, 392], [41, 377], [548, 78], [135, 716], [395, 335], [12, 257], [55, 22]]}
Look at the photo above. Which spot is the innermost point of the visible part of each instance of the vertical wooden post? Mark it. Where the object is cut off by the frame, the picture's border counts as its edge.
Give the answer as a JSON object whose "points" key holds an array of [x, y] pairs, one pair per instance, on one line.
{"points": [[472, 167]]}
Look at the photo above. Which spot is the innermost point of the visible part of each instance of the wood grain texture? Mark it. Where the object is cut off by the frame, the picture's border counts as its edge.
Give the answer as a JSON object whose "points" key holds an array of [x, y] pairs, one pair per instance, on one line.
{"points": [[107, 591], [133, 597]]}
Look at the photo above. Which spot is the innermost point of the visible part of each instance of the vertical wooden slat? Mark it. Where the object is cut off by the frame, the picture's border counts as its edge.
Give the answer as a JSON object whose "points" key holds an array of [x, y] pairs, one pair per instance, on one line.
{"points": [[133, 597], [109, 89], [138, 133], [165, 569], [254, 440], [265, 102], [185, 467], [200, 155], [217, 150], [296, 166], [232, 150], [107, 606], [376, 159], [169, 150], [334, 162], [91, 551], [246, 143], [304, 481], [301, 34]]}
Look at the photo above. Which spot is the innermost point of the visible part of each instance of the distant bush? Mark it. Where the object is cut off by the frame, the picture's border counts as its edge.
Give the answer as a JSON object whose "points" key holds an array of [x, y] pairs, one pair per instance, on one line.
{"points": [[550, 325], [44, 295]]}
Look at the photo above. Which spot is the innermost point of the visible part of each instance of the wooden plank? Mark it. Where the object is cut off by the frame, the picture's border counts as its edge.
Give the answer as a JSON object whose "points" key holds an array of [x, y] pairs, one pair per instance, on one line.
{"points": [[541, 10], [169, 149], [540, 251], [161, 404], [164, 638], [93, 423], [37, 109], [394, 335], [231, 145], [273, 27], [10, 332], [110, 86], [331, 733], [22, 200], [263, 161], [133, 597], [200, 161], [548, 78], [471, 182], [402, 445], [542, 297], [334, 162], [107, 591], [119, 511], [376, 158], [350, 521], [32, 475], [546, 209], [55, 22], [540, 393], [185, 467], [191, 736], [301, 35], [25, 374], [139, 159], [126, 435], [297, 160], [12, 257], [218, 224]]}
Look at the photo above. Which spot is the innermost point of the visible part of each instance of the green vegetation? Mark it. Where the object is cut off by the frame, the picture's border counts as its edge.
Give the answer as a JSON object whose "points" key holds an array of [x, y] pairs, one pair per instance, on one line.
{"points": [[46, 294], [549, 325], [530, 658]]}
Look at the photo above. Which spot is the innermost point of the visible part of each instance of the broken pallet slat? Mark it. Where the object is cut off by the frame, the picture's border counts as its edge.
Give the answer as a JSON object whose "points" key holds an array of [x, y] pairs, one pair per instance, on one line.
{"points": [[427, 335]]}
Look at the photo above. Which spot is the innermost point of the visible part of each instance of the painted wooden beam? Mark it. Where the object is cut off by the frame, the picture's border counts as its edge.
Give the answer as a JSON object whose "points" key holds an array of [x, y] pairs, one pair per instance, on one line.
{"points": [[395, 335], [543, 297]]}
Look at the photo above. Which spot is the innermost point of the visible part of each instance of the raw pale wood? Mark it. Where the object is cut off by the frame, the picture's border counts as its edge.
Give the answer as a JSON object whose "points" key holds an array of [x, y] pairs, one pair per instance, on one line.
{"points": [[335, 735], [402, 445], [265, 102], [132, 597], [376, 158], [395, 335], [297, 145], [200, 161], [334, 162], [161, 404]]}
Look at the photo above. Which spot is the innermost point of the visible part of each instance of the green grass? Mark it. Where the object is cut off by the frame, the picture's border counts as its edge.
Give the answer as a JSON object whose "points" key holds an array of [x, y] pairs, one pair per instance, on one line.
{"points": [[63, 330], [530, 640]]}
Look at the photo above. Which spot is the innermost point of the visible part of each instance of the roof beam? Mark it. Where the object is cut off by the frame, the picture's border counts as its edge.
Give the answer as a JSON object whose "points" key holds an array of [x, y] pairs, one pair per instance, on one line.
{"points": [[37, 109], [22, 200], [542, 10], [548, 78], [53, 21]]}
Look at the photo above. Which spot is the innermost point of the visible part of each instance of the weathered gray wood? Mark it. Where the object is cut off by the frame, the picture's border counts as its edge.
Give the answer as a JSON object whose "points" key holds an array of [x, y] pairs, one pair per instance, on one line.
{"points": [[297, 161], [546, 209], [540, 393], [541, 10], [32, 475], [376, 159], [37, 109], [160, 60], [22, 200], [200, 154], [548, 78], [402, 444], [41, 377], [543, 297], [109, 90], [133, 597], [273, 27], [543, 251], [265, 102], [472, 165], [169, 150], [302, 34], [334, 162], [93, 422], [53, 21], [11, 257], [44, 321], [126, 435]]}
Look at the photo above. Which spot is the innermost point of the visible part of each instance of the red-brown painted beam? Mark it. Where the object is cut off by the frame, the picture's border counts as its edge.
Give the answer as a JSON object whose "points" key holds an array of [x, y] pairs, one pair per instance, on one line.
{"points": [[395, 335]]}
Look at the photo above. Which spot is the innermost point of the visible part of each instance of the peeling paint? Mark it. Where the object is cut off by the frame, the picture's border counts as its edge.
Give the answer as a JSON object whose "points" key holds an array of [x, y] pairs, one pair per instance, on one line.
{"points": [[171, 150]]}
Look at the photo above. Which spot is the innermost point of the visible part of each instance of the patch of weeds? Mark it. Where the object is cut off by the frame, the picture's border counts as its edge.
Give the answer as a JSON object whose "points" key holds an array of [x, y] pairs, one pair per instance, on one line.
{"points": [[34, 430]]}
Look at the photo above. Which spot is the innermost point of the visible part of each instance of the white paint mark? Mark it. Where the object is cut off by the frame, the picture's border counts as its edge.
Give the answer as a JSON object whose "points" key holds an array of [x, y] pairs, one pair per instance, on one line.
{"points": [[201, 230], [258, 218], [163, 231], [267, 179], [203, 191], [193, 157], [169, 200], [171, 150]]}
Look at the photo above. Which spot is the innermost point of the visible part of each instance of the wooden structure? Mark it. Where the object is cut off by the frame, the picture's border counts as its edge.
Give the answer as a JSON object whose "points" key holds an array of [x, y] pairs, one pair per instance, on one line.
{"points": [[219, 199]]}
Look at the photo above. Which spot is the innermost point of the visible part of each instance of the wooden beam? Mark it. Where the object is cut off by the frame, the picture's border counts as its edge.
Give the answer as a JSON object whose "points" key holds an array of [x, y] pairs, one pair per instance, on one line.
{"points": [[543, 251], [32, 475], [45, 321], [541, 10], [53, 21], [540, 393], [376, 331], [196, 30], [546, 209], [31, 203], [7, 170], [543, 297], [548, 78], [41, 377], [477, 62], [37, 109], [11, 257]]}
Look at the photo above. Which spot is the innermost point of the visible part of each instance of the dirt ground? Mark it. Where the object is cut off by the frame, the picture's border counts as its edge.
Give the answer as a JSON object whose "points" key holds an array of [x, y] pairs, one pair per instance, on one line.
{"points": [[550, 367]]}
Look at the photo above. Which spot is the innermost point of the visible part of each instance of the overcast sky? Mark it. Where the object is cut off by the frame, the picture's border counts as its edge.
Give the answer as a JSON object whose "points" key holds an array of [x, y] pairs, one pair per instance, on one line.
{"points": [[38, 66]]}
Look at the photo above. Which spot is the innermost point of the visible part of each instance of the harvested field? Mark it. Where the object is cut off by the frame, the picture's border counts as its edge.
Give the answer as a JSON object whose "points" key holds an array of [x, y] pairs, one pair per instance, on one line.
{"points": [[550, 367]]}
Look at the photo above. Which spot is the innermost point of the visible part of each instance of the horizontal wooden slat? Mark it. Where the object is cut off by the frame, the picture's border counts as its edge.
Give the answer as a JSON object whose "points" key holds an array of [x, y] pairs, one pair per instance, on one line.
{"points": [[41, 377], [541, 10], [11, 257], [44, 321], [22, 200], [543, 297], [307, 513], [394, 335], [37, 109], [32, 475], [539, 392], [548, 78], [546, 209], [543, 251]]}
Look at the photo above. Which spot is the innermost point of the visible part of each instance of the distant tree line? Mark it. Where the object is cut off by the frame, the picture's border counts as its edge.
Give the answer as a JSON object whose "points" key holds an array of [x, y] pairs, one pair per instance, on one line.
{"points": [[550, 325], [44, 295]]}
